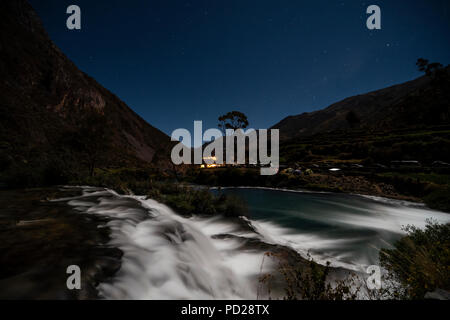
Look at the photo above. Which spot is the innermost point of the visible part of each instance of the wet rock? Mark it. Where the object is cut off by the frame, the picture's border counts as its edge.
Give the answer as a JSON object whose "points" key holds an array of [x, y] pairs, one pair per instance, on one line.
{"points": [[39, 239]]}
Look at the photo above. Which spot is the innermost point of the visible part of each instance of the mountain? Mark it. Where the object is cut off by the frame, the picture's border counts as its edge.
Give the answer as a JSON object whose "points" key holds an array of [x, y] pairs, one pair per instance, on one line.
{"points": [[421, 102], [51, 111]]}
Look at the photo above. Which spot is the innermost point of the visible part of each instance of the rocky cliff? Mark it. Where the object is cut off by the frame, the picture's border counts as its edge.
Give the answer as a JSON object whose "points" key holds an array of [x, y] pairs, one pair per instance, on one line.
{"points": [[50, 110]]}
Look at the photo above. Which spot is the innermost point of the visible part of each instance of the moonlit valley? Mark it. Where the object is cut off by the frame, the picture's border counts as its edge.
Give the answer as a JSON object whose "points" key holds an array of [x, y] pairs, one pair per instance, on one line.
{"points": [[224, 158]]}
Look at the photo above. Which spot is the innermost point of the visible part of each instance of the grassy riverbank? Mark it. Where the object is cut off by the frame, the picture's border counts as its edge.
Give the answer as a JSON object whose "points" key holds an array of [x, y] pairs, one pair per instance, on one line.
{"points": [[431, 188]]}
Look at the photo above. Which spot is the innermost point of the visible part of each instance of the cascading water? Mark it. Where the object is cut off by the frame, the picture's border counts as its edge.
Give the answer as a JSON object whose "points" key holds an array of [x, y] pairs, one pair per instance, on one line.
{"points": [[346, 230], [166, 256]]}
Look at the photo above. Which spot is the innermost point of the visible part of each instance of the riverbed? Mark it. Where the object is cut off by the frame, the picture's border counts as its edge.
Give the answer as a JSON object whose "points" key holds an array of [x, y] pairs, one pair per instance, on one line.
{"points": [[164, 255]]}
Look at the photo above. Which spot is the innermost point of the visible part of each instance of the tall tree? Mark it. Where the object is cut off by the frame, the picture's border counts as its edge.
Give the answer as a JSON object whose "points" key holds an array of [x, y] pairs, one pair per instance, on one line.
{"points": [[233, 120]]}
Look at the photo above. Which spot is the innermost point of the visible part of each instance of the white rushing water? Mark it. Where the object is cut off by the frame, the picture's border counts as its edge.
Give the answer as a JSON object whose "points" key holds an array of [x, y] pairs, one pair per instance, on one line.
{"points": [[346, 230], [167, 256]]}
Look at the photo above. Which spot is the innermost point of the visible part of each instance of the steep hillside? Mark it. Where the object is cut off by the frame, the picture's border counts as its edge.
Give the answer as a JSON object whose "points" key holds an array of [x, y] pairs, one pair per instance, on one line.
{"points": [[50, 111], [422, 102]]}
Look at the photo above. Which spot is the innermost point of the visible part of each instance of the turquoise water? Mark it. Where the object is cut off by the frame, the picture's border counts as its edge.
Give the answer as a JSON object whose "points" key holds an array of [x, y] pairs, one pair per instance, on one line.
{"points": [[168, 256], [347, 230]]}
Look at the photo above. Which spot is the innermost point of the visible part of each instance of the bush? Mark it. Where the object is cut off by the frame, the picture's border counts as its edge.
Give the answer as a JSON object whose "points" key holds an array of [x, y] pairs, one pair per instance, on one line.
{"points": [[439, 199], [231, 206], [188, 201], [421, 259], [183, 199], [307, 280]]}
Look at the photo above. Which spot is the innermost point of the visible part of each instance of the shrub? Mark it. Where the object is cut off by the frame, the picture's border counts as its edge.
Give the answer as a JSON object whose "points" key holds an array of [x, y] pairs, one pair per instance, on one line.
{"points": [[420, 261], [308, 280], [439, 199]]}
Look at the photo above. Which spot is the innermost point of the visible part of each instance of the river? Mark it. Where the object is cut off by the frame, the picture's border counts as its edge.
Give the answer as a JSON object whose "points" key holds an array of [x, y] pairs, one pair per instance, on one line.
{"points": [[166, 256]]}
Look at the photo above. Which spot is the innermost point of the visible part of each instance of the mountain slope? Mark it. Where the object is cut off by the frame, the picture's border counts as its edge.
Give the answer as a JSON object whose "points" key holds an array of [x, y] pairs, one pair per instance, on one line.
{"points": [[46, 101], [416, 103]]}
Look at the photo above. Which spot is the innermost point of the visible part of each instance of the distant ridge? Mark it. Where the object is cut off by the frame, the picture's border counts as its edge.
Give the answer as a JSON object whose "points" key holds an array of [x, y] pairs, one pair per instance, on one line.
{"points": [[420, 102]]}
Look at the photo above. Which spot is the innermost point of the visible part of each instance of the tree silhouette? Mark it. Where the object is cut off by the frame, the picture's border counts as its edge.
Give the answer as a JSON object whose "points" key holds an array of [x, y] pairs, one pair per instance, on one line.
{"points": [[233, 120], [436, 71], [430, 69]]}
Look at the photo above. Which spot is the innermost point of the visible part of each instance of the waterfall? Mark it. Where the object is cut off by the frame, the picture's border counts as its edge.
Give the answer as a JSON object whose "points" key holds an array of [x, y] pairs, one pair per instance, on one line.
{"points": [[167, 256]]}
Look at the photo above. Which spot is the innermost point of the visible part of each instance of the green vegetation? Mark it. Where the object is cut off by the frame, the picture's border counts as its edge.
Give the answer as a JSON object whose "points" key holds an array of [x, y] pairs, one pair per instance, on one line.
{"points": [[431, 177], [432, 187], [439, 199], [367, 146], [420, 261], [187, 200], [233, 177], [308, 280], [184, 199], [374, 152]]}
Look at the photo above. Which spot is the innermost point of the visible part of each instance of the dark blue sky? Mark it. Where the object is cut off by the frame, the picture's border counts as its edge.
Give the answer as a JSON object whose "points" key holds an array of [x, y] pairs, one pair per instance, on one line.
{"points": [[174, 62]]}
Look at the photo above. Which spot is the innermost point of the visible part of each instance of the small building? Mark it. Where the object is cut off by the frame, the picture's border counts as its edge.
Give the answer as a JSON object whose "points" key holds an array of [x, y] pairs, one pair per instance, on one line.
{"points": [[210, 162]]}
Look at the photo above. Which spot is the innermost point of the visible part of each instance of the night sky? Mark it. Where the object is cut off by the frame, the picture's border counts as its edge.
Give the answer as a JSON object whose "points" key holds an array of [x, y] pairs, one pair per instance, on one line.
{"points": [[174, 62]]}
